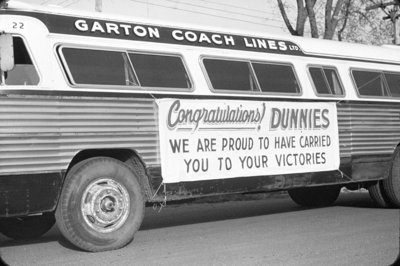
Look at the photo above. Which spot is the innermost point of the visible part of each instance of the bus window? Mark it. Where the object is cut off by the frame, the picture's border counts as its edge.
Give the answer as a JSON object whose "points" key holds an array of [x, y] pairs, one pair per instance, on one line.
{"points": [[98, 67], [24, 72], [393, 81], [162, 71], [276, 78], [370, 83], [230, 75], [326, 81]]}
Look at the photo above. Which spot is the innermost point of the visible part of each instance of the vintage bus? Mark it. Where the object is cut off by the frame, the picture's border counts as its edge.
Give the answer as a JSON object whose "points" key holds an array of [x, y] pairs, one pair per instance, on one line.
{"points": [[101, 115]]}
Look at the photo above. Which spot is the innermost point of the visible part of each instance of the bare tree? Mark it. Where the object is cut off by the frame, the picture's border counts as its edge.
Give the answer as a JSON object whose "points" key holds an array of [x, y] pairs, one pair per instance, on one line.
{"points": [[310, 4], [365, 25], [306, 10], [332, 17], [346, 19], [302, 16]]}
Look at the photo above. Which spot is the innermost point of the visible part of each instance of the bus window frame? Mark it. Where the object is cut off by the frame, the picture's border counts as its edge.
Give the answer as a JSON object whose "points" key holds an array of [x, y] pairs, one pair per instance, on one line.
{"points": [[381, 71], [313, 85], [34, 63], [390, 72], [281, 63], [69, 77], [181, 56], [208, 80], [124, 88], [259, 92]]}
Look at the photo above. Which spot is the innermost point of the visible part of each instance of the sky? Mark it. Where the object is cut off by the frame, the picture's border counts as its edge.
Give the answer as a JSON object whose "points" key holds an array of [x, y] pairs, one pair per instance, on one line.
{"points": [[250, 15]]}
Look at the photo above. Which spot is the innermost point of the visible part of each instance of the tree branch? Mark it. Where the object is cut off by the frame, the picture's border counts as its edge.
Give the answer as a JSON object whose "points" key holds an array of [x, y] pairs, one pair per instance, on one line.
{"points": [[286, 19], [311, 16], [331, 20], [302, 16], [346, 17], [338, 8]]}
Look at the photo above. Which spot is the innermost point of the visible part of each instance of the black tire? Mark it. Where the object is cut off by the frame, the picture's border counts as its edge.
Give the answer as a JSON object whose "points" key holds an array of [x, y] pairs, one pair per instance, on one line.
{"points": [[315, 196], [377, 194], [101, 205], [391, 185], [29, 227]]}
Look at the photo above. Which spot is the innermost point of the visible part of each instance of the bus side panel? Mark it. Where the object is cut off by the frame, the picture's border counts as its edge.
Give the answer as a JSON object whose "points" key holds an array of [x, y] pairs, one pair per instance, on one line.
{"points": [[374, 135], [26, 194], [344, 124], [176, 191], [43, 133], [375, 128]]}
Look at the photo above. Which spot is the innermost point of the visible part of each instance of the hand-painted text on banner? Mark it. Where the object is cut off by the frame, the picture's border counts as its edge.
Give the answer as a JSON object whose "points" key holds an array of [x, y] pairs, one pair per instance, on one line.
{"points": [[209, 139]]}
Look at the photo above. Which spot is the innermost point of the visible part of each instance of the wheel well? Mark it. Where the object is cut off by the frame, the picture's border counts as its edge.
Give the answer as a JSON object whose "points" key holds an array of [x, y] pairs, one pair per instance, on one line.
{"points": [[119, 154], [130, 157]]}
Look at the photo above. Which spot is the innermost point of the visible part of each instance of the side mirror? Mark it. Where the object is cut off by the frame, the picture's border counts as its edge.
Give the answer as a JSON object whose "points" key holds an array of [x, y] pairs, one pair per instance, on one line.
{"points": [[6, 52]]}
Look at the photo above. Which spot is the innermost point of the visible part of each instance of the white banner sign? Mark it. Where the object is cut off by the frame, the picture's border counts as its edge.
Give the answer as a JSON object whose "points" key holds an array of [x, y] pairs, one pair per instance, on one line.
{"points": [[214, 139]]}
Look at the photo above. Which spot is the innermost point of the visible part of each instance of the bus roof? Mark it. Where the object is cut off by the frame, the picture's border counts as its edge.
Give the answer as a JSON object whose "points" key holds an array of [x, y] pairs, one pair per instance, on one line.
{"points": [[97, 22]]}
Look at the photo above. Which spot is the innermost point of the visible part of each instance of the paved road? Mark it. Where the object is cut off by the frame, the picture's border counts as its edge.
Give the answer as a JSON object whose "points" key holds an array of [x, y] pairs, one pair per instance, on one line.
{"points": [[272, 231]]}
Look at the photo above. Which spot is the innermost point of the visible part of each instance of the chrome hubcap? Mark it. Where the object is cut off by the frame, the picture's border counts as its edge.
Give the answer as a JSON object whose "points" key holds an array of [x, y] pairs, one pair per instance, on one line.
{"points": [[105, 205]]}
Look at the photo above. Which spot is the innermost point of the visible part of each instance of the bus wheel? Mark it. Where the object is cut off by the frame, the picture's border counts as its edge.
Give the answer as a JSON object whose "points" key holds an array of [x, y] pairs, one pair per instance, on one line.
{"points": [[391, 185], [376, 193], [315, 196], [27, 227], [101, 206]]}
